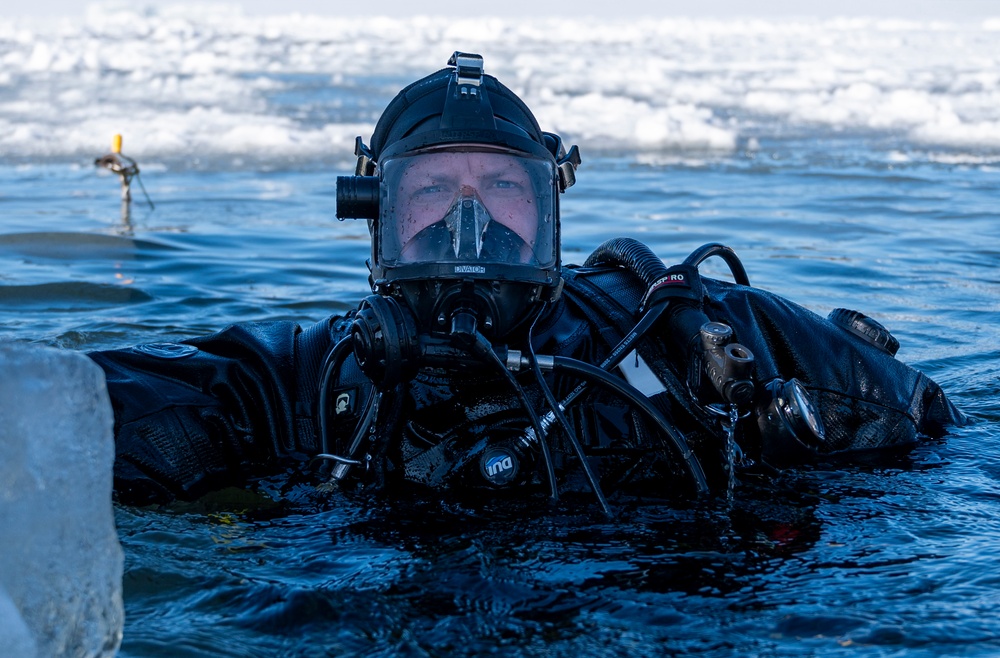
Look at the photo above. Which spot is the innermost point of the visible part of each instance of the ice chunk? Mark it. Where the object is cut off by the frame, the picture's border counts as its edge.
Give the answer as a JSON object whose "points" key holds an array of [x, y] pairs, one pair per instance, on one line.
{"points": [[60, 560]]}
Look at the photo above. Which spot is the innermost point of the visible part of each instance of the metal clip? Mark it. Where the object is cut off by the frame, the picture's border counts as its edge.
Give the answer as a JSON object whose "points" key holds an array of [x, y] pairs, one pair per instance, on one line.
{"points": [[468, 70], [566, 162], [366, 159], [567, 168]]}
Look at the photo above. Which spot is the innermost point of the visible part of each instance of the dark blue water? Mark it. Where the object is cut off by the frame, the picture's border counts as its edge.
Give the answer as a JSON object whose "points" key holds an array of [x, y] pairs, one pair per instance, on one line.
{"points": [[890, 556]]}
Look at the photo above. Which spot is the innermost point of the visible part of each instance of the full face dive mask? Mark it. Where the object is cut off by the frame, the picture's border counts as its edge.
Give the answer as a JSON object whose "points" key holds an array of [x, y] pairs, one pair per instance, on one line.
{"points": [[462, 209], [461, 189]]}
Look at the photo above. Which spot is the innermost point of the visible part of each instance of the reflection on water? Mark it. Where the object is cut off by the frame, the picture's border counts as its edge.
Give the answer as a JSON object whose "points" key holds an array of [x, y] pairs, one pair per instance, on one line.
{"points": [[808, 562]]}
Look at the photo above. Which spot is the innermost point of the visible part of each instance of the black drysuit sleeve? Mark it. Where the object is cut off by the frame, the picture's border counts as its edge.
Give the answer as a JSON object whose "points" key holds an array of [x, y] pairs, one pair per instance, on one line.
{"points": [[213, 411]]}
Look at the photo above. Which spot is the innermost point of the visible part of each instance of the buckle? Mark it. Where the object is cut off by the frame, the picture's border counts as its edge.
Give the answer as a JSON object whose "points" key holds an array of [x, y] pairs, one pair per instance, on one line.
{"points": [[567, 168], [366, 159], [468, 70]]}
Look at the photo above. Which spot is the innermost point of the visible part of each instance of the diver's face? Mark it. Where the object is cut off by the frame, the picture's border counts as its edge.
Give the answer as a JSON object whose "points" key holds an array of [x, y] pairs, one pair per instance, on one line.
{"points": [[434, 182]]}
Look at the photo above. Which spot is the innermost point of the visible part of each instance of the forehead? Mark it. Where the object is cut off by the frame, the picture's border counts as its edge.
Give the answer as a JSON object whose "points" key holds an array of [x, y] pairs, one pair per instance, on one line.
{"points": [[458, 163]]}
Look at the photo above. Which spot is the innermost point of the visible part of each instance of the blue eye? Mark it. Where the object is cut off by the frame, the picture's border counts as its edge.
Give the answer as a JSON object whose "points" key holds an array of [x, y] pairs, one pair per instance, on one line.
{"points": [[430, 190], [432, 194], [506, 186]]}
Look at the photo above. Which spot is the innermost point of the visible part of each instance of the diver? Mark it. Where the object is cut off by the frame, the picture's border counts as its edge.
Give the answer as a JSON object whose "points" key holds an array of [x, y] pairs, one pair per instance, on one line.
{"points": [[481, 364]]}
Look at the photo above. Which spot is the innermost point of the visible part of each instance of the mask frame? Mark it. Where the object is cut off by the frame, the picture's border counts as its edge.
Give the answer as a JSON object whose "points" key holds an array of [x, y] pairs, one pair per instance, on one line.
{"points": [[402, 219]]}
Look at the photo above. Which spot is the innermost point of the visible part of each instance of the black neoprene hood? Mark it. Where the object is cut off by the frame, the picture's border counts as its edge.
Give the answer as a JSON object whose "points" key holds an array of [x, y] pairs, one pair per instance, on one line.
{"points": [[443, 108], [459, 105]]}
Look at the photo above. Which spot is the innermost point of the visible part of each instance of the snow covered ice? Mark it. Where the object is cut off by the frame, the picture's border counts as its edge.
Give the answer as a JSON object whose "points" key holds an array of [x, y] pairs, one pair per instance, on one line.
{"points": [[60, 560], [205, 86]]}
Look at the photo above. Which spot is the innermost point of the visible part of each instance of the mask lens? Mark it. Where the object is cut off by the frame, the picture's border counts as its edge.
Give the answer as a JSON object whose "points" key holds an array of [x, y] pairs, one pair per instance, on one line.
{"points": [[467, 206]]}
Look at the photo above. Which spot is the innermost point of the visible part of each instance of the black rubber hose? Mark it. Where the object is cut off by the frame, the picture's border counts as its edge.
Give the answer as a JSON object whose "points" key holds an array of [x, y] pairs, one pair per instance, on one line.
{"points": [[639, 259], [630, 254], [481, 346], [560, 417], [330, 366], [705, 251], [596, 375]]}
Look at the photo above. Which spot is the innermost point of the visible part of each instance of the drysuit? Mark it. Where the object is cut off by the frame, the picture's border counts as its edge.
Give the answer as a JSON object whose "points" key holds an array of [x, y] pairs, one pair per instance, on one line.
{"points": [[224, 409]]}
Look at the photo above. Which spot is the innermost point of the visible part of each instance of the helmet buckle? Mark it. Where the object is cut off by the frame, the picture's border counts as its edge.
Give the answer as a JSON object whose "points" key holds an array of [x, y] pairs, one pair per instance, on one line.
{"points": [[567, 168], [468, 71], [366, 160], [565, 162]]}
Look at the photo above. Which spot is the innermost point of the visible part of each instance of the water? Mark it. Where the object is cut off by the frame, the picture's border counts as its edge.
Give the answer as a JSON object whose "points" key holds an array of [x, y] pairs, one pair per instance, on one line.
{"points": [[850, 163]]}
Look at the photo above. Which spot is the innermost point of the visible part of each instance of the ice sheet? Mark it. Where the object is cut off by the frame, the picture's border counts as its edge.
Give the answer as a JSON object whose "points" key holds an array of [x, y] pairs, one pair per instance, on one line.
{"points": [[209, 86]]}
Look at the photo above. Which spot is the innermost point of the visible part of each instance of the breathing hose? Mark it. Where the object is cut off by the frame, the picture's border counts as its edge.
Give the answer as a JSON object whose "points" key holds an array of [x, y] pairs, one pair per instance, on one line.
{"points": [[630, 254], [603, 378], [557, 413], [640, 260], [331, 365], [705, 251], [482, 347]]}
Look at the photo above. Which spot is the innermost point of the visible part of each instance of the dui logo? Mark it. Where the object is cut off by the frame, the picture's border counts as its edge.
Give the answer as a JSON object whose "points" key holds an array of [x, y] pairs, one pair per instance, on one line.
{"points": [[499, 466]]}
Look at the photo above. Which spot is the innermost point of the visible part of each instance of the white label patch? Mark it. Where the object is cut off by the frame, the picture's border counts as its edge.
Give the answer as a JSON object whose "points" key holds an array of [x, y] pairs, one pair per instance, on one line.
{"points": [[640, 375]]}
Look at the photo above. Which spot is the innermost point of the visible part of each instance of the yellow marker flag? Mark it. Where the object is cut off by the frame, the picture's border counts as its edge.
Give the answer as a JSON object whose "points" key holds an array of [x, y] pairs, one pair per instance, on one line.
{"points": [[116, 144]]}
